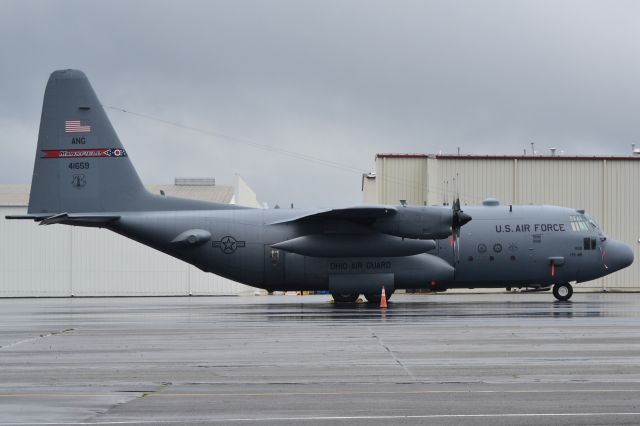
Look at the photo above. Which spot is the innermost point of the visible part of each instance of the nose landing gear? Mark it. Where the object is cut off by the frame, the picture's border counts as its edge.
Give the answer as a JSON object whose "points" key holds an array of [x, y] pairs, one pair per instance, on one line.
{"points": [[562, 291]]}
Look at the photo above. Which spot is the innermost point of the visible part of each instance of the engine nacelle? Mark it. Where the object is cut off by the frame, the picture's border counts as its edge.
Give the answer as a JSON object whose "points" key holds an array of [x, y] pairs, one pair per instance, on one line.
{"points": [[425, 223], [355, 245]]}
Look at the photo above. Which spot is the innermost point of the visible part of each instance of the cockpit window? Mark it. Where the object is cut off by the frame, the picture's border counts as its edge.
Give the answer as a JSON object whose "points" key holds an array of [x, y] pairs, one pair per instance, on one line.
{"points": [[580, 223], [593, 224]]}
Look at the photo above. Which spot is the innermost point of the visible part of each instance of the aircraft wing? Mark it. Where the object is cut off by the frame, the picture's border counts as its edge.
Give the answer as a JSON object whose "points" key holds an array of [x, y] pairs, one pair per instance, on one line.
{"points": [[355, 214]]}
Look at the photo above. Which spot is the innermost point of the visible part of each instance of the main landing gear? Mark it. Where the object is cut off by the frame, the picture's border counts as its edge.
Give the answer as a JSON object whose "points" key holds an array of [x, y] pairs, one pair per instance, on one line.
{"points": [[352, 297], [562, 291]]}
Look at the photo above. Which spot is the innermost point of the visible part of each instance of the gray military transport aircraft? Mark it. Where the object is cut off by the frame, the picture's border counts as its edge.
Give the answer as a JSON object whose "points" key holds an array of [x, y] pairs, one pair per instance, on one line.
{"points": [[83, 176]]}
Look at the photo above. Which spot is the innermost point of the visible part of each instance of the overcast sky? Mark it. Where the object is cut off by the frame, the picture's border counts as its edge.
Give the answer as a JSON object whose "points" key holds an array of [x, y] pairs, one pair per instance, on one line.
{"points": [[333, 80]]}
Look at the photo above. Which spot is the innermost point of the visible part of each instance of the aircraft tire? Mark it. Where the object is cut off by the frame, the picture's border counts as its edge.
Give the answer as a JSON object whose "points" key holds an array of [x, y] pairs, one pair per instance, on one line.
{"points": [[562, 291], [345, 297], [375, 298]]}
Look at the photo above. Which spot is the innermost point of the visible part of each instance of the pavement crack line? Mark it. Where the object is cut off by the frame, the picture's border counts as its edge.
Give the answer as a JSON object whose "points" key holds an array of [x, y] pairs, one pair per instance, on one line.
{"points": [[395, 358], [95, 418], [41, 336]]}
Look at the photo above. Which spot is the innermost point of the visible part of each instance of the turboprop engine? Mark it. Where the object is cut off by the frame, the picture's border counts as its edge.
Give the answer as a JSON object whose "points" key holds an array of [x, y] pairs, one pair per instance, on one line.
{"points": [[425, 223]]}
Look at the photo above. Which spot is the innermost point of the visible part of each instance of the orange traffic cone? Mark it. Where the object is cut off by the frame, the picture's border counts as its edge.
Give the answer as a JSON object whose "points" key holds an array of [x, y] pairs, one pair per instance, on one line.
{"points": [[383, 299]]}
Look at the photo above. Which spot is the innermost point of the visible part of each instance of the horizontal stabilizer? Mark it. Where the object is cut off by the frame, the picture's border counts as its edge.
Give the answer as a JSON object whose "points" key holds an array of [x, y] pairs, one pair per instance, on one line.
{"points": [[84, 219], [36, 217], [80, 219]]}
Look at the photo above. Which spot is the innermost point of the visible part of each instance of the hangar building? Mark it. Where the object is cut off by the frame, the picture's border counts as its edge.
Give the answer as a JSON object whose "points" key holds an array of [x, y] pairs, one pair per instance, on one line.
{"points": [[606, 187], [67, 260]]}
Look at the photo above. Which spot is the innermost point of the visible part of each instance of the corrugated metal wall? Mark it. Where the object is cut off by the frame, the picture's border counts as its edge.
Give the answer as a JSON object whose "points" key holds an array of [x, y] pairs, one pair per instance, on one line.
{"points": [[64, 260], [478, 180], [622, 216], [606, 189], [402, 180]]}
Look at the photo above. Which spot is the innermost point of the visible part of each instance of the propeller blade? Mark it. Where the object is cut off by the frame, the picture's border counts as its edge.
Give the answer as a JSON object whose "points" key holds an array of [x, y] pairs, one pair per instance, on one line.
{"points": [[459, 219]]}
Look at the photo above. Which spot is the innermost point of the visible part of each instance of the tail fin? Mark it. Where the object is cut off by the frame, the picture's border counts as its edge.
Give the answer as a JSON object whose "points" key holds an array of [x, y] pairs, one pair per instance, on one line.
{"points": [[80, 164]]}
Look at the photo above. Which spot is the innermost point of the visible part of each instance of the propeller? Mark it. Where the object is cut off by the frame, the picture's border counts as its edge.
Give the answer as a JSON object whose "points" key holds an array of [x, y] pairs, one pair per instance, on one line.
{"points": [[459, 219]]}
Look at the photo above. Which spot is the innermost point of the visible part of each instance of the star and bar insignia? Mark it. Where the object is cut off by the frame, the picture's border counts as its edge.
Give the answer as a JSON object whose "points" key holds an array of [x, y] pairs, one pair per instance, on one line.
{"points": [[228, 244]]}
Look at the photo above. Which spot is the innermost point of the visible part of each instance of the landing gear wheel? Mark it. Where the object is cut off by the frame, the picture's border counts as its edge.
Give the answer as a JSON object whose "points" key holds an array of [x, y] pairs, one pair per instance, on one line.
{"points": [[345, 297], [375, 298], [562, 291]]}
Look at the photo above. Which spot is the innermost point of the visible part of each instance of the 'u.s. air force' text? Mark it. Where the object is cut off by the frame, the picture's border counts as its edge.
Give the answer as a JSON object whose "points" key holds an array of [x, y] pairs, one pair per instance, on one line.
{"points": [[532, 227]]}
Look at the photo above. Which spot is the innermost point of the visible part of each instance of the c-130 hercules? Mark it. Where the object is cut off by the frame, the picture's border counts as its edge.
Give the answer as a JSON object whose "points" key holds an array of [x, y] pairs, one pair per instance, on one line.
{"points": [[83, 176]]}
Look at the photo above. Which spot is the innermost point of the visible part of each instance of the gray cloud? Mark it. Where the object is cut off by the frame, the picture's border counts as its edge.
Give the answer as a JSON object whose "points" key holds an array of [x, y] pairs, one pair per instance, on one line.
{"points": [[338, 80]]}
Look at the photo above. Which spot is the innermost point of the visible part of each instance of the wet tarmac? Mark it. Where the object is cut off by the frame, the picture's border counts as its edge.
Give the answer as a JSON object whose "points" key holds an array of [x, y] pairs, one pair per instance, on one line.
{"points": [[499, 359]]}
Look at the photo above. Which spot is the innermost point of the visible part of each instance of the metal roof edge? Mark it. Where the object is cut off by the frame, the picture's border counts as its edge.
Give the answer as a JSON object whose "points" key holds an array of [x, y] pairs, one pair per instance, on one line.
{"points": [[511, 157]]}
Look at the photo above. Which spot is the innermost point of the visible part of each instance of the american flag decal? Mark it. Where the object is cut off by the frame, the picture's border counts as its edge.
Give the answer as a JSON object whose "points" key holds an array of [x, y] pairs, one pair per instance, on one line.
{"points": [[76, 126]]}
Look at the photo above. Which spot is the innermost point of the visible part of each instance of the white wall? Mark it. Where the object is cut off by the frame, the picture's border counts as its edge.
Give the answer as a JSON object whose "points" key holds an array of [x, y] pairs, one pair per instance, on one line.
{"points": [[60, 260], [244, 195]]}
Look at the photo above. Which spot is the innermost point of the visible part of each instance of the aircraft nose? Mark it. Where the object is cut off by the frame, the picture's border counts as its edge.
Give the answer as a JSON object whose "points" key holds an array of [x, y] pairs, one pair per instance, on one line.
{"points": [[619, 255]]}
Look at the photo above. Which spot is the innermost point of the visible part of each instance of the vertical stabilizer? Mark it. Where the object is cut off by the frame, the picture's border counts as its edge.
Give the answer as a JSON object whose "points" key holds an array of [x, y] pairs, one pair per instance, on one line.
{"points": [[80, 164]]}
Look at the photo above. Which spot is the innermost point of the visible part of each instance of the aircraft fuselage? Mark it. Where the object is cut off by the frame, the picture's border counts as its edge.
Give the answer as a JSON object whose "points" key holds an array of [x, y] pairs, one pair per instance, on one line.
{"points": [[503, 246]]}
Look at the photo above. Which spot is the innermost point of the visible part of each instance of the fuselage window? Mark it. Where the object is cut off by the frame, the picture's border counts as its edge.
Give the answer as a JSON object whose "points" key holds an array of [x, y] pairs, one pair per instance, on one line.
{"points": [[589, 244]]}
